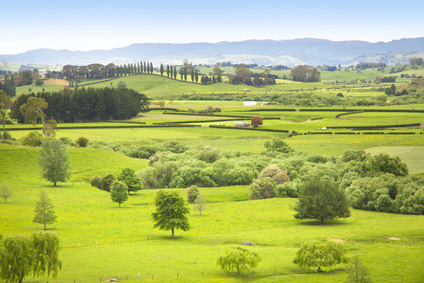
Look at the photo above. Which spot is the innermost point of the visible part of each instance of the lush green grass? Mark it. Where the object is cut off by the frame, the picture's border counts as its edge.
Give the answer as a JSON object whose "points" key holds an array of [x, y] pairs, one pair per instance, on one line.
{"points": [[101, 240]]}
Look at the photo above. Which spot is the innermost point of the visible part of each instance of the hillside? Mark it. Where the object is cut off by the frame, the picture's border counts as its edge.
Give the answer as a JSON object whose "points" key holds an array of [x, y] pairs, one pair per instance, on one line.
{"points": [[267, 52]]}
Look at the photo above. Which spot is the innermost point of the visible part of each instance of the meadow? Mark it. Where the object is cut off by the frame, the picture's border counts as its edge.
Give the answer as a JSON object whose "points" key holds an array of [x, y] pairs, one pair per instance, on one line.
{"points": [[102, 241], [97, 236]]}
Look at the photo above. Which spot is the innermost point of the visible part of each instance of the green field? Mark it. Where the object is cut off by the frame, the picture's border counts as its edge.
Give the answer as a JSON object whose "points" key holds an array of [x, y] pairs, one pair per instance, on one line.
{"points": [[97, 236]]}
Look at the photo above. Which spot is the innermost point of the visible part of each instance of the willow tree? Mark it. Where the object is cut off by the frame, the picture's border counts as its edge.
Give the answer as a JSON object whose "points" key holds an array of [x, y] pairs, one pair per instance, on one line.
{"points": [[20, 255], [33, 111]]}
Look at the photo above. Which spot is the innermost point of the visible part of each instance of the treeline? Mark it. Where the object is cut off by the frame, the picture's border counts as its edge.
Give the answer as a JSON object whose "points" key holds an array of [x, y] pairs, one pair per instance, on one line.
{"points": [[91, 104], [99, 71], [363, 66], [8, 85]]}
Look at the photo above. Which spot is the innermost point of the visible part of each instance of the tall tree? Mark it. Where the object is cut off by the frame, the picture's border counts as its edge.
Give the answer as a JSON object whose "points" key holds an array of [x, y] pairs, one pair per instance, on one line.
{"points": [[321, 198], [20, 255], [5, 105], [132, 180], [167, 70], [171, 210], [33, 110], [145, 68], [161, 69], [192, 74], [44, 213], [54, 161], [196, 75], [175, 72], [151, 68]]}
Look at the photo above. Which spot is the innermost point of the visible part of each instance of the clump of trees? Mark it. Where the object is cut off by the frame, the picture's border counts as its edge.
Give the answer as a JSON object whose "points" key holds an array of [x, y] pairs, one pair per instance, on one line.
{"points": [[103, 183], [305, 73], [363, 66], [238, 259], [91, 104], [243, 75], [192, 194], [21, 255]]}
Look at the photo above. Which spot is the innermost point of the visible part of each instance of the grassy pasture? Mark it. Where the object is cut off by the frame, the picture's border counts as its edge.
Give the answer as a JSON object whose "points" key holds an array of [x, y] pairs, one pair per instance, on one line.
{"points": [[413, 156], [101, 240]]}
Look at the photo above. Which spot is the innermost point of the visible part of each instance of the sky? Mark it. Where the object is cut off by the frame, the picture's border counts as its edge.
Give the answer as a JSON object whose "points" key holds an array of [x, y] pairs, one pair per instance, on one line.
{"points": [[93, 24]]}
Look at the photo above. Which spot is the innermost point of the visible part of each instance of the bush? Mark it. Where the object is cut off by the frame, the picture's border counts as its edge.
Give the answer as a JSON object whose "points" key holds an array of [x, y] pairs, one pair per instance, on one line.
{"points": [[208, 154], [96, 182], [263, 188], [67, 141], [107, 181], [239, 259], [82, 142], [32, 139], [288, 189], [6, 136], [192, 194], [274, 172], [39, 82]]}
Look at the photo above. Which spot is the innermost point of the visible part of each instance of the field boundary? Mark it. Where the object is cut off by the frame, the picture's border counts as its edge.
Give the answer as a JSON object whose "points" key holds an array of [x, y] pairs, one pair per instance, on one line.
{"points": [[249, 129]]}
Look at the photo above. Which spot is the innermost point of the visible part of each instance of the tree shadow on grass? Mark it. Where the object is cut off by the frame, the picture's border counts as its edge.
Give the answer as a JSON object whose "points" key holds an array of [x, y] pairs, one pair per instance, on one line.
{"points": [[333, 222]]}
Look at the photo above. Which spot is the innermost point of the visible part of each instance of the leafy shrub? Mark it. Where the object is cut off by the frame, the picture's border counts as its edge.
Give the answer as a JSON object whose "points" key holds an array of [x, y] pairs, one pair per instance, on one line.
{"points": [[288, 189], [274, 172], [32, 139], [82, 142], [131, 180], [192, 194], [67, 141], [6, 135], [96, 182], [107, 181], [208, 154], [263, 188]]}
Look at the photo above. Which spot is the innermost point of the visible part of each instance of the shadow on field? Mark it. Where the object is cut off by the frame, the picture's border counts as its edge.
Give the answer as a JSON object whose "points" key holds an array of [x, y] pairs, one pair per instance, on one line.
{"points": [[326, 223]]}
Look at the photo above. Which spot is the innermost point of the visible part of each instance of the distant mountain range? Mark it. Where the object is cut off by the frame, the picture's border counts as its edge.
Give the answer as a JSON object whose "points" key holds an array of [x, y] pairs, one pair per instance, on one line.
{"points": [[263, 52]]}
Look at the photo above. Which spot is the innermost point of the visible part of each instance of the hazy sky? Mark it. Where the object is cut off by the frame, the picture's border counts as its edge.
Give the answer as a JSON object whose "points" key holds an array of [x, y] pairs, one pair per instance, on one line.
{"points": [[87, 25]]}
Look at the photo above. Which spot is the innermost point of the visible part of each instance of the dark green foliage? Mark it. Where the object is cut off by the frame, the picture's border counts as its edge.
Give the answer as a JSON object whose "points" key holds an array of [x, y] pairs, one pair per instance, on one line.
{"points": [[320, 197], [279, 146], [87, 104], [175, 147], [20, 255], [39, 82], [171, 210], [320, 254], [208, 154], [192, 194], [386, 164], [32, 139], [263, 188], [54, 162], [96, 182], [239, 259], [81, 142], [129, 178], [288, 189], [119, 192], [44, 213], [67, 141], [107, 182], [305, 73]]}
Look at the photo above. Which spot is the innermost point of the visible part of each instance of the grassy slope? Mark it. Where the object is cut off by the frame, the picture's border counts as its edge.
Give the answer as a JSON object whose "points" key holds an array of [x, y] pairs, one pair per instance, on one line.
{"points": [[101, 240]]}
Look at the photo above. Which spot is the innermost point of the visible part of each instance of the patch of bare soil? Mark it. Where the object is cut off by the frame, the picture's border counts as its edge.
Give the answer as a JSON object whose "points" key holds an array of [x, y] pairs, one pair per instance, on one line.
{"points": [[56, 82], [394, 238], [337, 240]]}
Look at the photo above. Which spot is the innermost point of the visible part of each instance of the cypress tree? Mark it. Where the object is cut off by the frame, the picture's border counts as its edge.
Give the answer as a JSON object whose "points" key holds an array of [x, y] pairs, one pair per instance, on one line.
{"points": [[167, 70], [151, 68], [175, 72]]}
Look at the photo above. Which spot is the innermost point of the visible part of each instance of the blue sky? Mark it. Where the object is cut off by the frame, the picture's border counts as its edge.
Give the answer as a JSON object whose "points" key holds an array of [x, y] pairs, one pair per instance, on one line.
{"points": [[88, 25]]}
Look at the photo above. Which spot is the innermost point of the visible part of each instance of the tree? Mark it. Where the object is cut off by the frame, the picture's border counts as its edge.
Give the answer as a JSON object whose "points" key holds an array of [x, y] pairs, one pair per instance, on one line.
{"points": [[171, 210], [5, 104], [239, 259], [161, 69], [132, 180], [358, 273], [119, 192], [5, 192], [54, 162], [20, 255], [199, 203], [321, 198], [192, 194], [320, 254], [51, 128], [257, 121], [122, 84], [44, 213], [106, 182], [33, 110]]}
